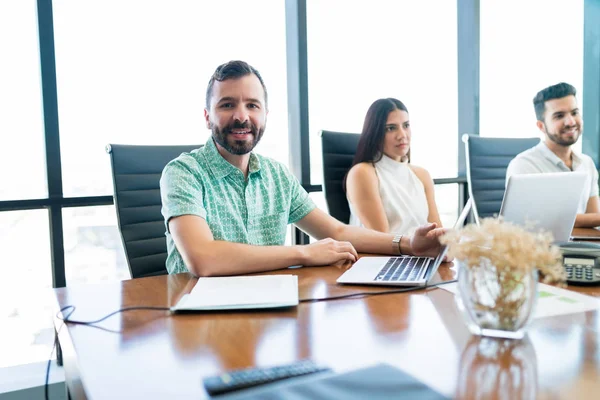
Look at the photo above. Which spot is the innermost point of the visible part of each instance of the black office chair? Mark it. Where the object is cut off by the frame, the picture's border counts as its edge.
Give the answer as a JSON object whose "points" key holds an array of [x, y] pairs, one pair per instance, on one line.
{"points": [[338, 152], [487, 159], [136, 172]]}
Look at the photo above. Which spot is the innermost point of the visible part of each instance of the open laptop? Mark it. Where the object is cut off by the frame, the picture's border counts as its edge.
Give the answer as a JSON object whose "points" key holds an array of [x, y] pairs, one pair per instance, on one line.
{"points": [[400, 270], [546, 202]]}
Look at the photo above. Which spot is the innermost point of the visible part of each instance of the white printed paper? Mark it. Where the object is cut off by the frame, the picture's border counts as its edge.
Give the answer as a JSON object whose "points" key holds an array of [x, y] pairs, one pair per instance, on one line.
{"points": [[551, 300]]}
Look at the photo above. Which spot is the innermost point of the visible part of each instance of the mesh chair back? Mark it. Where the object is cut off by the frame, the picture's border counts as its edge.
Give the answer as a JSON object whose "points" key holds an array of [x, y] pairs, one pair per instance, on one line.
{"points": [[487, 160], [136, 172], [338, 152]]}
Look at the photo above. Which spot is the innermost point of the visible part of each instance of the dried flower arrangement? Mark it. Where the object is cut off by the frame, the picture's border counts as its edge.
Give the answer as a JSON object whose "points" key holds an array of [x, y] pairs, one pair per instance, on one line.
{"points": [[506, 246], [502, 257]]}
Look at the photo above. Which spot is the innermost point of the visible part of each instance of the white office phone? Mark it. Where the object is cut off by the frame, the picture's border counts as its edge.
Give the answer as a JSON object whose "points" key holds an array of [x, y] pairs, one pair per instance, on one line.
{"points": [[582, 262]]}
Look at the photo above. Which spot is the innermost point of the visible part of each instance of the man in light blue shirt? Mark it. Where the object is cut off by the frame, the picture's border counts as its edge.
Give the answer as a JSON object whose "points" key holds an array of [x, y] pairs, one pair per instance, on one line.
{"points": [[559, 118], [226, 208]]}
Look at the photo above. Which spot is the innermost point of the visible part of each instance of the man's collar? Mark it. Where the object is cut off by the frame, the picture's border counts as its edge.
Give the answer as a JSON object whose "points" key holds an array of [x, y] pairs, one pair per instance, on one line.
{"points": [[220, 167], [253, 164], [549, 154]]}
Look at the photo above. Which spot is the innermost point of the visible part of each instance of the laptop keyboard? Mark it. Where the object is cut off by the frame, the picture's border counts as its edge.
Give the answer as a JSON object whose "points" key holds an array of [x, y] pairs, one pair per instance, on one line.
{"points": [[402, 269]]}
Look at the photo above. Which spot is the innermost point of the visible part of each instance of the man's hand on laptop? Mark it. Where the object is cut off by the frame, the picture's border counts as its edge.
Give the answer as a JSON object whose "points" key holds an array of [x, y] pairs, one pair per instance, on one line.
{"points": [[425, 241], [328, 252]]}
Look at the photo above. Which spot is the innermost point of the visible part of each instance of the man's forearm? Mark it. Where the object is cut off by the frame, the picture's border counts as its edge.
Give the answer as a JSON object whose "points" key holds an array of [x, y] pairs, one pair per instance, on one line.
{"points": [[226, 258]]}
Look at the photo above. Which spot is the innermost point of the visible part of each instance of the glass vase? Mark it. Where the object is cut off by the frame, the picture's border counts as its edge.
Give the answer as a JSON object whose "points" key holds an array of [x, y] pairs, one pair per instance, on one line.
{"points": [[496, 301]]}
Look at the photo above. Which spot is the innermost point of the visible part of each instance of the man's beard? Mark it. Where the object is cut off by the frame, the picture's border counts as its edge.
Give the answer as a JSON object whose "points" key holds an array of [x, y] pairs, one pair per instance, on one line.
{"points": [[237, 147], [556, 138]]}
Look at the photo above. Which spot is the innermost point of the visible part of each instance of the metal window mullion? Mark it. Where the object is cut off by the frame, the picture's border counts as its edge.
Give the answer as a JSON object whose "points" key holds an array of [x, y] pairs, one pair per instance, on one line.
{"points": [[52, 138], [468, 31], [297, 84]]}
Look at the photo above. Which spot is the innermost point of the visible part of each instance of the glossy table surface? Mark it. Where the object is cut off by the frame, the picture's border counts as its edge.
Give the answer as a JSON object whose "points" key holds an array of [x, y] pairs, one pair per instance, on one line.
{"points": [[155, 355]]}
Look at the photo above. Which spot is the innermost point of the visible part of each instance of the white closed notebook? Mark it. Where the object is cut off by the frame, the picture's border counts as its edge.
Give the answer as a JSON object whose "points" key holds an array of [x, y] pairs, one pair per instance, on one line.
{"points": [[241, 292]]}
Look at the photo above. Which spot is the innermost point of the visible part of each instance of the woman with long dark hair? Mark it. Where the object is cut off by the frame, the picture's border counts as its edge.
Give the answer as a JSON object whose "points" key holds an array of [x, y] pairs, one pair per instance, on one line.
{"points": [[385, 191]]}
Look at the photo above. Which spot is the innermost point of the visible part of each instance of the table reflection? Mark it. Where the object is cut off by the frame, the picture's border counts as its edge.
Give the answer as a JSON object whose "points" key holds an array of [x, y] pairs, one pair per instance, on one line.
{"points": [[497, 369]]}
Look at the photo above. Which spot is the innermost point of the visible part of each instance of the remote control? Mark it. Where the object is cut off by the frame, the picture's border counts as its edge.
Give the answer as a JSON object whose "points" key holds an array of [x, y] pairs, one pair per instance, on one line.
{"points": [[246, 378]]}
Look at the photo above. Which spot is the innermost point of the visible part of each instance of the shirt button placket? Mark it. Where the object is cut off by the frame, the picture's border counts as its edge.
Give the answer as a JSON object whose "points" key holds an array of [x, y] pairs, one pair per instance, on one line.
{"points": [[249, 215]]}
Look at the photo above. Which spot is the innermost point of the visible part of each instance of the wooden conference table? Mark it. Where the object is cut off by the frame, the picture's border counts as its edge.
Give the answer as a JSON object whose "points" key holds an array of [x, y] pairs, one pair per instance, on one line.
{"points": [[154, 355]]}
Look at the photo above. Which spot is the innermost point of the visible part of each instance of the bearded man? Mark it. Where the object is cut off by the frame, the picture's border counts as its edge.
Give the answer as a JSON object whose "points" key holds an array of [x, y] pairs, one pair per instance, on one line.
{"points": [[559, 119]]}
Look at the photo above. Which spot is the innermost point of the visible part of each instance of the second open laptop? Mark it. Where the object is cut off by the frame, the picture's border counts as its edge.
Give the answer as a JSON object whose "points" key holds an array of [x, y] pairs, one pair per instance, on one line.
{"points": [[546, 202], [400, 270]]}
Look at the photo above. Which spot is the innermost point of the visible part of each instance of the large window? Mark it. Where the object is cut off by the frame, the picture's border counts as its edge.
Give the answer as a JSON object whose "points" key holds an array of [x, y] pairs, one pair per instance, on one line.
{"points": [[25, 299], [540, 46], [136, 71], [93, 247], [359, 52], [22, 153], [25, 312]]}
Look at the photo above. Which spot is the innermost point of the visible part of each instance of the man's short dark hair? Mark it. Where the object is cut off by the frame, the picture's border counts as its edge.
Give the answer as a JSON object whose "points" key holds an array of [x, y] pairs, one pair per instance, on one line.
{"points": [[557, 91], [232, 70]]}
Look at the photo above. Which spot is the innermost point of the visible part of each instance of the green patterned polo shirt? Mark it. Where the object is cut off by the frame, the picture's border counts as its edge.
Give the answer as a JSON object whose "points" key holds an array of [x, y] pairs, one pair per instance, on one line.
{"points": [[255, 211]]}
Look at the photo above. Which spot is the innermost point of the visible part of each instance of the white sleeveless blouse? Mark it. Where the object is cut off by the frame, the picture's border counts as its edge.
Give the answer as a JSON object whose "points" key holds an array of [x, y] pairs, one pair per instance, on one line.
{"points": [[403, 197]]}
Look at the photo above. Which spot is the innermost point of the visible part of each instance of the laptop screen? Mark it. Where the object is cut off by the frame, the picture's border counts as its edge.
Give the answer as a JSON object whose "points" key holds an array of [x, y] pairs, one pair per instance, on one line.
{"points": [[527, 202], [444, 249]]}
